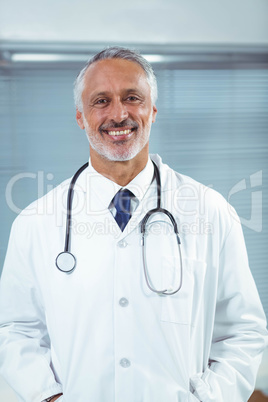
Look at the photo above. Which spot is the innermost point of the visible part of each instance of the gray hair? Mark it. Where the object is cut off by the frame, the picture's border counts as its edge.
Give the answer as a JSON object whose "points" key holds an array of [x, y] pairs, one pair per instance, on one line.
{"points": [[115, 52]]}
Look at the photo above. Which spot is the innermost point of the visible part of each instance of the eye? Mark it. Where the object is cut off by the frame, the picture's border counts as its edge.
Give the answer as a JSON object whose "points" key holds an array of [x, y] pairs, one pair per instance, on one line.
{"points": [[132, 98], [101, 101]]}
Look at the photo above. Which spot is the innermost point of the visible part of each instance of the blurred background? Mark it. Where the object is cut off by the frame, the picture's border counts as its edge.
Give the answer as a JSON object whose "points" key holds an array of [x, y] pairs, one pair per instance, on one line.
{"points": [[211, 62]]}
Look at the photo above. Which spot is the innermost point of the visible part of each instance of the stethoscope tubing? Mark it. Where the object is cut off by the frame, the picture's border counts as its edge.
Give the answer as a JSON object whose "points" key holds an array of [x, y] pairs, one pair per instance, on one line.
{"points": [[69, 205], [67, 256], [66, 253], [144, 221]]}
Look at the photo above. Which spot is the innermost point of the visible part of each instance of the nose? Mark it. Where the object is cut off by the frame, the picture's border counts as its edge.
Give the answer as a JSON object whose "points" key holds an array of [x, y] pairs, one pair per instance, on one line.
{"points": [[119, 111]]}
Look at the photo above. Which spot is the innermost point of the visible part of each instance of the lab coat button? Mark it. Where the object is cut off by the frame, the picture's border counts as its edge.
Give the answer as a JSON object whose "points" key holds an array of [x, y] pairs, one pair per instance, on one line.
{"points": [[125, 363], [123, 302], [122, 244]]}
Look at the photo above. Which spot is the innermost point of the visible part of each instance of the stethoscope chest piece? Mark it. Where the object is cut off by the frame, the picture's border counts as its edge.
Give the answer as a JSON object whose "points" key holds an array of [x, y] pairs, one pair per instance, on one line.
{"points": [[66, 262]]}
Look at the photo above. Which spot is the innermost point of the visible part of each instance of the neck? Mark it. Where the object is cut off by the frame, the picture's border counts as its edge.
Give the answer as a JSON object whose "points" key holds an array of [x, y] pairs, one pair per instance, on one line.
{"points": [[121, 173]]}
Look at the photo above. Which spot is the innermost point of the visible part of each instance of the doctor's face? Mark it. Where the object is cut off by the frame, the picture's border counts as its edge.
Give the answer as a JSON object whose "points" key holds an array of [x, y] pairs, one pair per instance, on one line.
{"points": [[117, 109]]}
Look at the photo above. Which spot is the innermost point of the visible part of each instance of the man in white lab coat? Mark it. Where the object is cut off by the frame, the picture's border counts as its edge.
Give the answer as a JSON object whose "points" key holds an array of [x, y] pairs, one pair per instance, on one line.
{"points": [[102, 333]]}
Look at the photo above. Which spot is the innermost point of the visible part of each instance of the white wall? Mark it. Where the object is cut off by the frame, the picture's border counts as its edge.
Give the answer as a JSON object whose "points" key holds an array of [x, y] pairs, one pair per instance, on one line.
{"points": [[142, 21]]}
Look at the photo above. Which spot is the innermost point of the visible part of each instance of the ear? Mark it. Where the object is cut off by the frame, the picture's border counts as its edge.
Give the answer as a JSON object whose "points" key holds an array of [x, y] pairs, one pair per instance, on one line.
{"points": [[154, 114], [80, 119]]}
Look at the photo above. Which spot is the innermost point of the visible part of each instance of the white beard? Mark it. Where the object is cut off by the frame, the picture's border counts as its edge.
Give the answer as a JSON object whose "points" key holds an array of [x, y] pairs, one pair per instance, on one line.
{"points": [[120, 152]]}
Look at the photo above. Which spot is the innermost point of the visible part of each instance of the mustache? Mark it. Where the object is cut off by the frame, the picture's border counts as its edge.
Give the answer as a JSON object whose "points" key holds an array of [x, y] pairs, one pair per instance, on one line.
{"points": [[128, 122]]}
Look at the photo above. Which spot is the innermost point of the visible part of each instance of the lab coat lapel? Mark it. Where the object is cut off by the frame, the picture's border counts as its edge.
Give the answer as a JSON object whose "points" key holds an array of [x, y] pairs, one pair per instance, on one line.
{"points": [[149, 200]]}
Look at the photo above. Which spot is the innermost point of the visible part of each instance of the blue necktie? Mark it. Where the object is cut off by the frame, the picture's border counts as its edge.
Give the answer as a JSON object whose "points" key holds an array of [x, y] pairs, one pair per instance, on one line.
{"points": [[121, 203]]}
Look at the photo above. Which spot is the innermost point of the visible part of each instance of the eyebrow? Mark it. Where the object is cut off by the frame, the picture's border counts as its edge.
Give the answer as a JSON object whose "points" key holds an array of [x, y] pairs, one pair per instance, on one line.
{"points": [[99, 94], [106, 93]]}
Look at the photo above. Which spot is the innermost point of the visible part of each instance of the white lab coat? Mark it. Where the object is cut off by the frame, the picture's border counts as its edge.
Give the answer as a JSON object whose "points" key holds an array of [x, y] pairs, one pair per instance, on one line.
{"points": [[74, 334]]}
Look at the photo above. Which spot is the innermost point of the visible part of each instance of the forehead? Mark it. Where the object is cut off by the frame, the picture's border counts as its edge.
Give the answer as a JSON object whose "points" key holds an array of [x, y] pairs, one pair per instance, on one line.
{"points": [[114, 75]]}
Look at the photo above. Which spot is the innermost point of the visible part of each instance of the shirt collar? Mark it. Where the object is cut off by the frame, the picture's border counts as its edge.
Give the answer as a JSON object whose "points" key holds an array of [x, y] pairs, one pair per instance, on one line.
{"points": [[106, 188]]}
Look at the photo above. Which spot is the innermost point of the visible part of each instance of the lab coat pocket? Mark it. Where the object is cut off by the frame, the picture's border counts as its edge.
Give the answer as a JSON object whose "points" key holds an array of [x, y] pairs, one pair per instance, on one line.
{"points": [[183, 306]]}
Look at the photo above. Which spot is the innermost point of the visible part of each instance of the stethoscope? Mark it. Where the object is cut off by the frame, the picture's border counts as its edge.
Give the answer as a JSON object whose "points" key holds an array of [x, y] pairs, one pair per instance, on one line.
{"points": [[66, 261]]}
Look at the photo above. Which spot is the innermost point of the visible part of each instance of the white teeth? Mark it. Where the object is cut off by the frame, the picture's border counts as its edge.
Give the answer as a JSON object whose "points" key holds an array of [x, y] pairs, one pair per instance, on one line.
{"points": [[119, 132]]}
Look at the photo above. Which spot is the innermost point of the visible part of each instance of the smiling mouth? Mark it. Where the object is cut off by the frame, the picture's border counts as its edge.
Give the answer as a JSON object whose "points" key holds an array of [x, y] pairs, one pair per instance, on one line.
{"points": [[119, 132]]}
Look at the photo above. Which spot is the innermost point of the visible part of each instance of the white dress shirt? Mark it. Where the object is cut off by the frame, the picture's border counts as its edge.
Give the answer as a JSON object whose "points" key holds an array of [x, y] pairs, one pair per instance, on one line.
{"points": [[107, 189]]}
